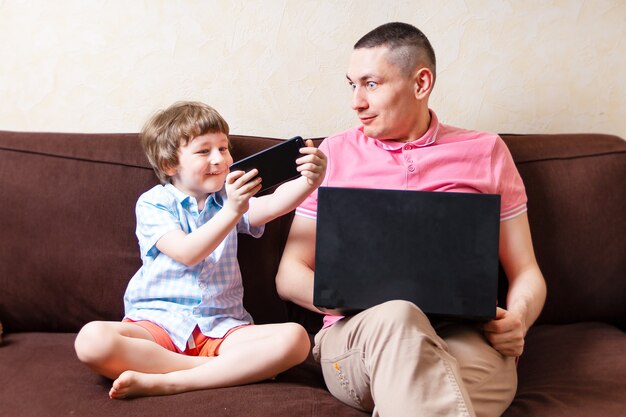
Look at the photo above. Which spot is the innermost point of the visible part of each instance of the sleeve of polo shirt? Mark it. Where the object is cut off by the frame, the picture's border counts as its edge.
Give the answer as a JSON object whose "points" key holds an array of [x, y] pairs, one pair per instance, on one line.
{"points": [[308, 208], [244, 226], [508, 182], [157, 214]]}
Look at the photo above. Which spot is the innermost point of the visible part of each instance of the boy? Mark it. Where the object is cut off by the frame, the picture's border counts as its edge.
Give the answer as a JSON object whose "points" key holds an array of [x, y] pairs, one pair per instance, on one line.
{"points": [[185, 326]]}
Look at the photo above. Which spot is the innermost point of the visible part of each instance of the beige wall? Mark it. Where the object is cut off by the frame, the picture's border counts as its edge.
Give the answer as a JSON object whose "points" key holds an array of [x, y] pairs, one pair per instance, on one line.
{"points": [[277, 68]]}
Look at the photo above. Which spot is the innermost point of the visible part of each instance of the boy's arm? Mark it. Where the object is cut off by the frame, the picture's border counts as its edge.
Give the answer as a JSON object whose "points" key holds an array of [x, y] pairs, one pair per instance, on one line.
{"points": [[289, 195], [192, 248], [527, 288]]}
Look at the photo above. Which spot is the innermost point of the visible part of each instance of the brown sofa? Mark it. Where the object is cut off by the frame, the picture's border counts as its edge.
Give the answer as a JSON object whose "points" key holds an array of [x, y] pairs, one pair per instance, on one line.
{"points": [[67, 250]]}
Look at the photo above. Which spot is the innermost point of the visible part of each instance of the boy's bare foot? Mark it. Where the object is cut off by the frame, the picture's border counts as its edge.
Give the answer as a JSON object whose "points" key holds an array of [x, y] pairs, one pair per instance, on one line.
{"points": [[136, 384]]}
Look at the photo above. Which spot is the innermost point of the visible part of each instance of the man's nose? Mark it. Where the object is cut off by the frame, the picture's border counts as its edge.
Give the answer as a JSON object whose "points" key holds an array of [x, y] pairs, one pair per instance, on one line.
{"points": [[359, 100]]}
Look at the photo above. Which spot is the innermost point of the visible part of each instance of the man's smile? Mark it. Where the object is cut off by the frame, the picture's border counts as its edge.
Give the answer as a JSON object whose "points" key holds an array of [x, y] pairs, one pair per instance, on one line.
{"points": [[366, 119]]}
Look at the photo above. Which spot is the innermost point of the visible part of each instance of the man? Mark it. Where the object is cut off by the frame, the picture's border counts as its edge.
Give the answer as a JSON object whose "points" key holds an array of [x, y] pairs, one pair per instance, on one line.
{"points": [[391, 359]]}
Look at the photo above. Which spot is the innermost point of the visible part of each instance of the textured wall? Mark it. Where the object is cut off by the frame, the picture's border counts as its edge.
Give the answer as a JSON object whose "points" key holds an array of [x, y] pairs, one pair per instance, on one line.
{"points": [[277, 67]]}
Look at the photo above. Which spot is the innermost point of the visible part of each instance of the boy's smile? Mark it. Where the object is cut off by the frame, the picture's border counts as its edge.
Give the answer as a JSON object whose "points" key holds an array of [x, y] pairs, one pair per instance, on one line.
{"points": [[202, 166]]}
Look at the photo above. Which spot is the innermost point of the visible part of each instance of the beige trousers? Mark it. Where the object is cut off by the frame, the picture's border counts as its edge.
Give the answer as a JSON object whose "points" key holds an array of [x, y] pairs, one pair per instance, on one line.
{"points": [[389, 360]]}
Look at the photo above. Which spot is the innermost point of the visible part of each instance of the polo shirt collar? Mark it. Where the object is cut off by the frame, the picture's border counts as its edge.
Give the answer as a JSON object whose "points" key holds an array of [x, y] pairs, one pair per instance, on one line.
{"points": [[427, 138]]}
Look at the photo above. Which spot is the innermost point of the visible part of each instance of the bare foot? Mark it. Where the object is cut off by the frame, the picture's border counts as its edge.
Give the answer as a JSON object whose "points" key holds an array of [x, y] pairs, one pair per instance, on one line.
{"points": [[136, 384]]}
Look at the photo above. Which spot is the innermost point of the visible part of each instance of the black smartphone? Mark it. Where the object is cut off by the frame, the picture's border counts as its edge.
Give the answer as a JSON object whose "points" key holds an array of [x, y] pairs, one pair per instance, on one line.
{"points": [[276, 164]]}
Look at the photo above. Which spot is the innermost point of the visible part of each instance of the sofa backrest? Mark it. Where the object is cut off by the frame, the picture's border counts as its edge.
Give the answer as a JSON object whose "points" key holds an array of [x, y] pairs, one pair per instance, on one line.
{"points": [[68, 249], [576, 187], [67, 230]]}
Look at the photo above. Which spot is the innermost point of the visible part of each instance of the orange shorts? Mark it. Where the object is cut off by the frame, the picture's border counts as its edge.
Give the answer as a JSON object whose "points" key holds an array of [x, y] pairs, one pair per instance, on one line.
{"points": [[204, 345]]}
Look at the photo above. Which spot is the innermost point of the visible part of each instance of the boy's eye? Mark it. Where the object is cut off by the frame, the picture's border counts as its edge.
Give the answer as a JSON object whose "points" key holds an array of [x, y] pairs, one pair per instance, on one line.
{"points": [[224, 149]]}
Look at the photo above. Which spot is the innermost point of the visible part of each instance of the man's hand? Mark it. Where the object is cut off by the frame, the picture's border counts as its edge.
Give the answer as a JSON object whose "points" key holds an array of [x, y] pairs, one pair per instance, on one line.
{"points": [[506, 332], [312, 165], [240, 186]]}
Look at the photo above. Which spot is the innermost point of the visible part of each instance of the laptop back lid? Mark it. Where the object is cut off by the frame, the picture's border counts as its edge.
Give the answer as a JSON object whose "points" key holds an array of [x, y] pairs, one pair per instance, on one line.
{"points": [[438, 250]]}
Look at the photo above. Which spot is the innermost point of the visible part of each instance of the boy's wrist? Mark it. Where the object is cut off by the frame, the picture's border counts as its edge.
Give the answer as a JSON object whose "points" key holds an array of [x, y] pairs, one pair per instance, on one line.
{"points": [[233, 209]]}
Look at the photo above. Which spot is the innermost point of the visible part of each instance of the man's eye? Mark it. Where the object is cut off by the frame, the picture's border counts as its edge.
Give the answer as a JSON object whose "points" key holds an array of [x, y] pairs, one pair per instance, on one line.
{"points": [[352, 85], [371, 84]]}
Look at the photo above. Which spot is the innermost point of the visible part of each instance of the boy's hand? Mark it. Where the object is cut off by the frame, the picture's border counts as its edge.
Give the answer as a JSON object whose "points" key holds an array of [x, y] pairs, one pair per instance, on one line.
{"points": [[240, 186], [312, 165]]}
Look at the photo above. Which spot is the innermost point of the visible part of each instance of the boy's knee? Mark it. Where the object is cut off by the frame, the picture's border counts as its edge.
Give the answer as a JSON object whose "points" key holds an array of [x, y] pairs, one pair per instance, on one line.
{"points": [[295, 340], [92, 343]]}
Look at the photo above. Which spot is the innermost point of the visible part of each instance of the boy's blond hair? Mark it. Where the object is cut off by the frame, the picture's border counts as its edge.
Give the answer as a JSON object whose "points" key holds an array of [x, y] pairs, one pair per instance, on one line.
{"points": [[169, 129]]}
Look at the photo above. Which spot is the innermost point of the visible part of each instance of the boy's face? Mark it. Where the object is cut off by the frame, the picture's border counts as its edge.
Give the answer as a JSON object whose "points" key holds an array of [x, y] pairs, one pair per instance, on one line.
{"points": [[203, 166]]}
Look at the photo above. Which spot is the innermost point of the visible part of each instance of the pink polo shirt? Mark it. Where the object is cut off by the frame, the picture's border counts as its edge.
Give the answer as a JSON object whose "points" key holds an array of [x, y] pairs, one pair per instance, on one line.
{"points": [[445, 158]]}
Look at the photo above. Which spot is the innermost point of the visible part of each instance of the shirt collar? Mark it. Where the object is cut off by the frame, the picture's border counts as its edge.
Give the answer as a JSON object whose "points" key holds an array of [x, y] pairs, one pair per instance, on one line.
{"points": [[190, 203], [427, 138]]}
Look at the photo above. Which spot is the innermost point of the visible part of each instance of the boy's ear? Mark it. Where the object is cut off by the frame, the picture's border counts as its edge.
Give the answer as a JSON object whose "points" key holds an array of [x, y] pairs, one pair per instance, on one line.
{"points": [[169, 170]]}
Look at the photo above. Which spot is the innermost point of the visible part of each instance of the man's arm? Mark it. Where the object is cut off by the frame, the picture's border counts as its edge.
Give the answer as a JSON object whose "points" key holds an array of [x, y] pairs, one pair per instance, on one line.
{"points": [[527, 288], [294, 280]]}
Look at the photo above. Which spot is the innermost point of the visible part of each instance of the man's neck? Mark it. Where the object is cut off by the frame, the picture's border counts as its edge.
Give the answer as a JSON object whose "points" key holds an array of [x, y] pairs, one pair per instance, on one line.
{"points": [[422, 126]]}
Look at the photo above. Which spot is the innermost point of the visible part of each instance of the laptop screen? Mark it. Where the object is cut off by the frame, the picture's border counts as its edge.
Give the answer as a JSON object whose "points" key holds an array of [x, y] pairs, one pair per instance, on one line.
{"points": [[438, 250]]}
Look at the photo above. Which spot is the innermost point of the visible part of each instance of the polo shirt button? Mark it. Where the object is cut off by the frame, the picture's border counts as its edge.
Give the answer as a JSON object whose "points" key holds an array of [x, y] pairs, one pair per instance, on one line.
{"points": [[408, 147], [411, 168]]}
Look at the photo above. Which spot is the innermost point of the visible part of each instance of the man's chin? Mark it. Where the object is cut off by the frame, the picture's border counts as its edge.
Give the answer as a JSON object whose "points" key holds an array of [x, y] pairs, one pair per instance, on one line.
{"points": [[375, 134], [371, 133]]}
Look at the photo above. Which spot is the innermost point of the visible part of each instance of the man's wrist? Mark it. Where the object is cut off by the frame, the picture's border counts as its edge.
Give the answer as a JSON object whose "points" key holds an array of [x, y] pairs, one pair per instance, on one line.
{"points": [[521, 310]]}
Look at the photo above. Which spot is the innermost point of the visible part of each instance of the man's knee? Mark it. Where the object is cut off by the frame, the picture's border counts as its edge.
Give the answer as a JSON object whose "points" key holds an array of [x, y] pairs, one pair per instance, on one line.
{"points": [[399, 312], [399, 317]]}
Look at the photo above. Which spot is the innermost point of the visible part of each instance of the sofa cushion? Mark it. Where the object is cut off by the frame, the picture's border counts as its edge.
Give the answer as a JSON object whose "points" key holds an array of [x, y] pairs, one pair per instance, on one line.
{"points": [[40, 376], [574, 370]]}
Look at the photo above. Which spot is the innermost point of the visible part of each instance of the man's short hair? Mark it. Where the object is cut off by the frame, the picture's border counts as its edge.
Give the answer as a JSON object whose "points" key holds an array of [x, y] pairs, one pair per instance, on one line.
{"points": [[167, 130], [408, 45]]}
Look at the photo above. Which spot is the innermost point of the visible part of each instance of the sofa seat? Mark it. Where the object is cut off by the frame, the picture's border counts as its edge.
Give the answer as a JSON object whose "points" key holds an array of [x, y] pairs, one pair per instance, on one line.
{"points": [[566, 370], [41, 376]]}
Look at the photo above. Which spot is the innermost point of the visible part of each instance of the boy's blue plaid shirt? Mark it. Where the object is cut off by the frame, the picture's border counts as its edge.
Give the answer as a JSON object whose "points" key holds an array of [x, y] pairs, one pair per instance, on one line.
{"points": [[177, 297]]}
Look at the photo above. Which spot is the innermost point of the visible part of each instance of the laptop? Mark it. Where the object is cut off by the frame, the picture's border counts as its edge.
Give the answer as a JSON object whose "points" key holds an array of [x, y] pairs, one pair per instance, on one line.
{"points": [[438, 250]]}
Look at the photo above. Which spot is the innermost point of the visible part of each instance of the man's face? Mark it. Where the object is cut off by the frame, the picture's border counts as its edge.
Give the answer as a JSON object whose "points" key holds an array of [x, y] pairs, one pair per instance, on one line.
{"points": [[383, 96]]}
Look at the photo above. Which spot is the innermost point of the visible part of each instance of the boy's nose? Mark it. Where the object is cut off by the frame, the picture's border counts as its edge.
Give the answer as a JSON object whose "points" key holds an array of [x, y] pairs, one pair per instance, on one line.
{"points": [[216, 157]]}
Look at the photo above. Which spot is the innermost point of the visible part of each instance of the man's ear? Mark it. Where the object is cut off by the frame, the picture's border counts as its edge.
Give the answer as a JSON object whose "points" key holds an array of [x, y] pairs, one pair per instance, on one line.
{"points": [[424, 81]]}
